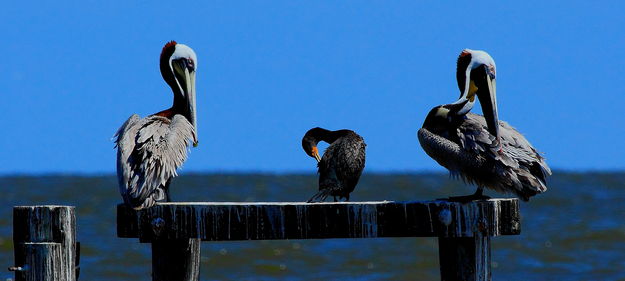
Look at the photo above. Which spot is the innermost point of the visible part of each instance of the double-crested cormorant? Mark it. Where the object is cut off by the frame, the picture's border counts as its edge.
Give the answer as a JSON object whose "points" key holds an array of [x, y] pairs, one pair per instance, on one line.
{"points": [[342, 162], [481, 149], [151, 149]]}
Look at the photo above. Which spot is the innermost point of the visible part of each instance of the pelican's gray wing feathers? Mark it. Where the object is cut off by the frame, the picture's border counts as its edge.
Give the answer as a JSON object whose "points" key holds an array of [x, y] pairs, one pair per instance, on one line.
{"points": [[521, 168], [149, 152], [125, 143]]}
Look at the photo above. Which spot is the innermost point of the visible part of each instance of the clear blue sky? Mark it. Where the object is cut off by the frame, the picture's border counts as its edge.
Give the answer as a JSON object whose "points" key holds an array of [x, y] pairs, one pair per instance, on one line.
{"points": [[73, 72]]}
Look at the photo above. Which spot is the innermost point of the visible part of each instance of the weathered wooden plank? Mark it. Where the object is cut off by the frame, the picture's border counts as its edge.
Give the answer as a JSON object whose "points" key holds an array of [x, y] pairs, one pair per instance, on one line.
{"points": [[176, 260], [42, 262], [227, 221], [46, 223]]}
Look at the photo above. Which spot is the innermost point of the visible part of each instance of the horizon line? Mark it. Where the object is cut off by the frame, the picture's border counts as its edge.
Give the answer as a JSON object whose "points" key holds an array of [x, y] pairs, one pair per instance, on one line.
{"points": [[283, 173]]}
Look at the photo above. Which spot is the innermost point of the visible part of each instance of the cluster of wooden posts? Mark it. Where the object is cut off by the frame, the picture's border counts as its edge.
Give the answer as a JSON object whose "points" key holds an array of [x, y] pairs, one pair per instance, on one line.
{"points": [[44, 242], [46, 248]]}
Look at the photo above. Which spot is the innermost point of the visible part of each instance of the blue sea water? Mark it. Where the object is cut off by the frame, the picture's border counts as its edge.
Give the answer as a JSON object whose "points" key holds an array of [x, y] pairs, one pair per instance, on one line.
{"points": [[574, 231]]}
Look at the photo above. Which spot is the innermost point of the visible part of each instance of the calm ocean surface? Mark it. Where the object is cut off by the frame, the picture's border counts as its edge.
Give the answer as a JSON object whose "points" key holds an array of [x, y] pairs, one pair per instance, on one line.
{"points": [[575, 231]]}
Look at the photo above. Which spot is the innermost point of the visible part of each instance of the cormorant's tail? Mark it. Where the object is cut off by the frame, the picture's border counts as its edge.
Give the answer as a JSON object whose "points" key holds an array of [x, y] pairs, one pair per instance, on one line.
{"points": [[320, 196]]}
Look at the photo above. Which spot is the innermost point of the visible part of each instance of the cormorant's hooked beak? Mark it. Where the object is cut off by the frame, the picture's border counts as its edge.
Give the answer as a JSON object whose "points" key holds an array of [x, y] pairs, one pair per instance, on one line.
{"points": [[315, 154], [185, 72], [487, 94]]}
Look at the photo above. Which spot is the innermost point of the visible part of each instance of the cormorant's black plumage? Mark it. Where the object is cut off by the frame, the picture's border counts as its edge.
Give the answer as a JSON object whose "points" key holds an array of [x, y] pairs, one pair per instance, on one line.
{"points": [[342, 162]]}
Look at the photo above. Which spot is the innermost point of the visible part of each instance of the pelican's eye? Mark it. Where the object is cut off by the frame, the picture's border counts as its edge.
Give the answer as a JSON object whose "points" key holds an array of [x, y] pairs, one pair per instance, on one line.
{"points": [[491, 71], [190, 64]]}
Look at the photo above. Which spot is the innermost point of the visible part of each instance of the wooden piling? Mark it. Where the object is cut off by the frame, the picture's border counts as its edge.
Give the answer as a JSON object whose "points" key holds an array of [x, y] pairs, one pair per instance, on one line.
{"points": [[176, 260], [42, 262], [464, 258], [45, 243], [464, 230]]}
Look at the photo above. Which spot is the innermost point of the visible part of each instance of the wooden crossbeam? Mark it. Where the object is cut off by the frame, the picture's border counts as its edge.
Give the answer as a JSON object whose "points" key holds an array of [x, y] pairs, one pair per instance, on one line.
{"points": [[227, 221]]}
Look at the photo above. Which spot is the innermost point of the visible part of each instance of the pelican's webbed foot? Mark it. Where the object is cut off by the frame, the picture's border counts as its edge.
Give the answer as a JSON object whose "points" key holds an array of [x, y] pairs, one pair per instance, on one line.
{"points": [[467, 198]]}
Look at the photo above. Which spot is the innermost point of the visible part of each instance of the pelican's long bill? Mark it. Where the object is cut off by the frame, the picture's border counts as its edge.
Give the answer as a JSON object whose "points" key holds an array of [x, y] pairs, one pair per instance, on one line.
{"points": [[487, 94], [476, 77], [184, 70], [190, 76]]}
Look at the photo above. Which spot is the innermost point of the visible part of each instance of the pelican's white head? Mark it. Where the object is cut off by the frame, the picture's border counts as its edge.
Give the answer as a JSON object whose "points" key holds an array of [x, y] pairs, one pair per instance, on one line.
{"points": [[178, 66], [183, 51], [476, 73]]}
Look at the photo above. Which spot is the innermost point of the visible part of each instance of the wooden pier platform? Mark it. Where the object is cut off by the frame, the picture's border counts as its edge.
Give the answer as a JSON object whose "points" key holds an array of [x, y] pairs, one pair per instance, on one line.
{"points": [[228, 221], [464, 229]]}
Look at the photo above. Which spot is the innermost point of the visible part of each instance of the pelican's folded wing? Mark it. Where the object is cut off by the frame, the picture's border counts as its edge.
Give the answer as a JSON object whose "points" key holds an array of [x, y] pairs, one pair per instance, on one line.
{"points": [[149, 152]]}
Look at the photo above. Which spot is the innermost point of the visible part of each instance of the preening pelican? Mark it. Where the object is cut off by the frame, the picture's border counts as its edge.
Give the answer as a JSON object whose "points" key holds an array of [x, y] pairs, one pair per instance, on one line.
{"points": [[149, 150], [481, 149], [342, 162]]}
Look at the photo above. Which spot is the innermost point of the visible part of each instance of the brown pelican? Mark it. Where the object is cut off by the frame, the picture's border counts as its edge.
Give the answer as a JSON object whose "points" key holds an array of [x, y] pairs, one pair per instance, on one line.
{"points": [[481, 149], [151, 149], [342, 162]]}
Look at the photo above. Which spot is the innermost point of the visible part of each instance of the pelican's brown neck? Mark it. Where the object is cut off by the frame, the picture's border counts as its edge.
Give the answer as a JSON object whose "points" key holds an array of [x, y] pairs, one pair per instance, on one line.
{"points": [[168, 75], [167, 113], [461, 70], [179, 104]]}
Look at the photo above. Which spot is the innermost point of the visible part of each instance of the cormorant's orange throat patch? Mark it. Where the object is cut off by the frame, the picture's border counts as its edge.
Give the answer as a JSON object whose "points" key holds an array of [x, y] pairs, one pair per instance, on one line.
{"points": [[315, 151]]}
